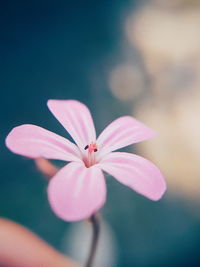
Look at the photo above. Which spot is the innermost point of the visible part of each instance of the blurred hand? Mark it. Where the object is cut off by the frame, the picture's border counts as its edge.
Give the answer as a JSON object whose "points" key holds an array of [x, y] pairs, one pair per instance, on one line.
{"points": [[21, 248], [46, 167]]}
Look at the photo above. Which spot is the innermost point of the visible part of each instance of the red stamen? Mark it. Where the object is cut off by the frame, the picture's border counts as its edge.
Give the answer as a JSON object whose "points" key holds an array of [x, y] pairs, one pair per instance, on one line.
{"points": [[90, 160]]}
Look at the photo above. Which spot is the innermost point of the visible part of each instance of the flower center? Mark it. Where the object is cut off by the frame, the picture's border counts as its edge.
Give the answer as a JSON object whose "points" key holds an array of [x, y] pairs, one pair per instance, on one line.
{"points": [[90, 160]]}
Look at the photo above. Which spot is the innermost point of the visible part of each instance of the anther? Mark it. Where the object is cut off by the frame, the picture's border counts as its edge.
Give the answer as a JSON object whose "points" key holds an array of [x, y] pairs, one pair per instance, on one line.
{"points": [[86, 147]]}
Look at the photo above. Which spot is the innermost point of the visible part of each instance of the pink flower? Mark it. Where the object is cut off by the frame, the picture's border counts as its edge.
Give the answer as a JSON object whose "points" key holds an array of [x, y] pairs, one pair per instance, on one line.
{"points": [[78, 189]]}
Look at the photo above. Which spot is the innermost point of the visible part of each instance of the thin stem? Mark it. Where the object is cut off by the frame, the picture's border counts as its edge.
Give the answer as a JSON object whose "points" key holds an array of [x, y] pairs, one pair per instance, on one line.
{"points": [[94, 219]]}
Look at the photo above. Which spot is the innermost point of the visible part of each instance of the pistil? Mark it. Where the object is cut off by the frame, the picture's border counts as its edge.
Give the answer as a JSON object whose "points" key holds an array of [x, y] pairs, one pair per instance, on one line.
{"points": [[90, 159]]}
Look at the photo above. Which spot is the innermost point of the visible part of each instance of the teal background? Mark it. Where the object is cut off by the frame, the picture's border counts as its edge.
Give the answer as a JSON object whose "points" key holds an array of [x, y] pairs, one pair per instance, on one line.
{"points": [[62, 50]]}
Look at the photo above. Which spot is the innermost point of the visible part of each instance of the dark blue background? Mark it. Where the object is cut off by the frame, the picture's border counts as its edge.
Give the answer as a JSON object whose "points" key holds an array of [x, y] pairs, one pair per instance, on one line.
{"points": [[63, 50]]}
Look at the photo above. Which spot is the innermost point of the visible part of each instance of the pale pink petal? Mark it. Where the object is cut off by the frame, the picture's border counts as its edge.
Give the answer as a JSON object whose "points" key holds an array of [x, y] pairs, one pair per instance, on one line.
{"points": [[122, 132], [76, 119], [136, 172], [76, 192], [33, 141]]}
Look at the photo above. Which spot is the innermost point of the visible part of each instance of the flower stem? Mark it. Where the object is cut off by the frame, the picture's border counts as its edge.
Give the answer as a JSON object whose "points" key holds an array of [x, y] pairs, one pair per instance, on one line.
{"points": [[94, 220]]}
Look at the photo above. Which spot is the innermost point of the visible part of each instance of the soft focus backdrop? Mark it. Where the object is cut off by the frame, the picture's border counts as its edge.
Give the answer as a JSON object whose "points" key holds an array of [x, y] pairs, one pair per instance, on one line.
{"points": [[119, 57]]}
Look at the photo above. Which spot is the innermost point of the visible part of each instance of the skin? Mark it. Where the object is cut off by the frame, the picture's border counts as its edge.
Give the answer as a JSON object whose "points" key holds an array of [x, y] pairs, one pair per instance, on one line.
{"points": [[46, 167], [19, 247]]}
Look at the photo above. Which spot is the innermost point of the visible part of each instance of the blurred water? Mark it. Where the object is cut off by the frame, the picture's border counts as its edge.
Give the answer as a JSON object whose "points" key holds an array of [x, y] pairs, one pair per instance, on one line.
{"points": [[76, 244]]}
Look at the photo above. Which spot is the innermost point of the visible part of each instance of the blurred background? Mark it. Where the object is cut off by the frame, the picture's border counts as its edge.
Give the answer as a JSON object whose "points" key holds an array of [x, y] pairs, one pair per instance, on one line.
{"points": [[120, 57]]}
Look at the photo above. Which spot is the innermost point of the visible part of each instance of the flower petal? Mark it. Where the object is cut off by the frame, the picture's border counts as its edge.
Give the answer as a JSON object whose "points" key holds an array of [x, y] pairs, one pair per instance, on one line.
{"points": [[122, 132], [136, 172], [33, 141], [76, 119], [76, 192]]}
